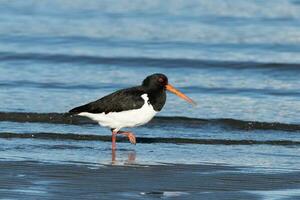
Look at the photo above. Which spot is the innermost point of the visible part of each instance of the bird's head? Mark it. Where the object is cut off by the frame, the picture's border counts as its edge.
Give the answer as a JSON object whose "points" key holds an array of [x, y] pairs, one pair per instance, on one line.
{"points": [[157, 82]]}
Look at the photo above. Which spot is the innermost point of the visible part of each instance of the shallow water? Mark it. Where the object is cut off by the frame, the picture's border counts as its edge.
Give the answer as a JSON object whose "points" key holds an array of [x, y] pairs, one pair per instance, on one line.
{"points": [[56, 181], [240, 61]]}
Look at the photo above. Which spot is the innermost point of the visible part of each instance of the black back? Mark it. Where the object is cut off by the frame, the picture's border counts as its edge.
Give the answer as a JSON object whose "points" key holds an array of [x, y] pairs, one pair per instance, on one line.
{"points": [[130, 98]]}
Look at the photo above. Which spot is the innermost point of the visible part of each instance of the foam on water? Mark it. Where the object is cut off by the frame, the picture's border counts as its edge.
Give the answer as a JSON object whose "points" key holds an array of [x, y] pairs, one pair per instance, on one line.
{"points": [[278, 194]]}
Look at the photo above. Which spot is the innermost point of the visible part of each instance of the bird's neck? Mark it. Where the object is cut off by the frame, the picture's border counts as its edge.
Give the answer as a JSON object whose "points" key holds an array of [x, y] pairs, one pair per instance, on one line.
{"points": [[157, 98]]}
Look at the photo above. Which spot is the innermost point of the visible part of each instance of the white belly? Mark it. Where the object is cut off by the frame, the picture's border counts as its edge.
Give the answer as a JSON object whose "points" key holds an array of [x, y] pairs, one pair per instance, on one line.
{"points": [[129, 118]]}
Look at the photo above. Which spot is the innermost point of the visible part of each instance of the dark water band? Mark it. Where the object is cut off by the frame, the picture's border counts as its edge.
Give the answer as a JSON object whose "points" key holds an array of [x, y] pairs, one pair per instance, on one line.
{"points": [[112, 86], [140, 61], [107, 138], [60, 118]]}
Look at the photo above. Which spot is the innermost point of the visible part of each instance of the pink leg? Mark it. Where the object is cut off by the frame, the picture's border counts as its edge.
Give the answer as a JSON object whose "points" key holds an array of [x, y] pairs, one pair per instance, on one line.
{"points": [[113, 140], [113, 156], [130, 136]]}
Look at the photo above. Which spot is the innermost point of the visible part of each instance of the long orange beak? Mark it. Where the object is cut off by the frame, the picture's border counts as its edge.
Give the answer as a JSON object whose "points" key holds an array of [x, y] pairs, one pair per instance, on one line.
{"points": [[181, 95]]}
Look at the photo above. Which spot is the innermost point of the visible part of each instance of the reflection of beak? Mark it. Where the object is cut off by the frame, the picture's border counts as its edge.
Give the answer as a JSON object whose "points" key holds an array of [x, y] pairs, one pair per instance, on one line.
{"points": [[181, 95]]}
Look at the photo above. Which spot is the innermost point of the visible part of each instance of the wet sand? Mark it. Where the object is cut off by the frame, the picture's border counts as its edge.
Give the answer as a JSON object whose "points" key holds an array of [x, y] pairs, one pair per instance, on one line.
{"points": [[38, 180]]}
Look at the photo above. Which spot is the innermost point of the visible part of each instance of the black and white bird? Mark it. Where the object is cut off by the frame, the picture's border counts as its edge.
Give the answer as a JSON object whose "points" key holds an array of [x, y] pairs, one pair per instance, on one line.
{"points": [[130, 107]]}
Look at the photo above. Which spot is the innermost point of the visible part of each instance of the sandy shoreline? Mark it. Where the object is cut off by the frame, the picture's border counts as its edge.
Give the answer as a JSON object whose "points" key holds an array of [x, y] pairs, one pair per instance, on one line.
{"points": [[30, 180]]}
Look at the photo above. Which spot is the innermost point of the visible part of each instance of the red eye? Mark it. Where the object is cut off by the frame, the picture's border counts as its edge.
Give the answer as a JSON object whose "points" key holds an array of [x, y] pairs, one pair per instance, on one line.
{"points": [[161, 80]]}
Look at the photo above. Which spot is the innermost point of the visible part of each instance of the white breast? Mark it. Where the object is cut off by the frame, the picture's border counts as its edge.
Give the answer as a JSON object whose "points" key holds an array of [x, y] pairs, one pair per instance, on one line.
{"points": [[128, 118]]}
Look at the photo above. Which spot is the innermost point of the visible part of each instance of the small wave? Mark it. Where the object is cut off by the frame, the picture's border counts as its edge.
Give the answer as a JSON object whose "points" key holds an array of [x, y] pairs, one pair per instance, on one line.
{"points": [[191, 89], [141, 61], [148, 140], [61, 118], [57, 85], [224, 90]]}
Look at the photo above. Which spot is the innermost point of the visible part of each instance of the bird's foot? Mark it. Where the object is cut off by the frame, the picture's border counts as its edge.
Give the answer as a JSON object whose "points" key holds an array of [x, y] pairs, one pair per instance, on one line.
{"points": [[130, 136]]}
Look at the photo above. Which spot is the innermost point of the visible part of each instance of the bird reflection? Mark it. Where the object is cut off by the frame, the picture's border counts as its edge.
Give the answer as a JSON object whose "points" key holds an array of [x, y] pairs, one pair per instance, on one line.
{"points": [[131, 156]]}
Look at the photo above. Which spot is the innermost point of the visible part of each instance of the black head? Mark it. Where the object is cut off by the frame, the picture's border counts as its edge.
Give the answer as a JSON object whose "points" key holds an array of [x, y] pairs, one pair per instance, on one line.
{"points": [[156, 86], [155, 82]]}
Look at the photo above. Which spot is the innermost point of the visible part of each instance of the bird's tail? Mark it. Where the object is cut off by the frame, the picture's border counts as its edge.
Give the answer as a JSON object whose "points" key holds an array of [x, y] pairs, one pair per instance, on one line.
{"points": [[78, 110], [67, 114]]}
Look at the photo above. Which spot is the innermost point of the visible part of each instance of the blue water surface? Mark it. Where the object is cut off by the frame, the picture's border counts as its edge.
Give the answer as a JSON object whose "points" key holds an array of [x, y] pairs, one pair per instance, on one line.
{"points": [[237, 59]]}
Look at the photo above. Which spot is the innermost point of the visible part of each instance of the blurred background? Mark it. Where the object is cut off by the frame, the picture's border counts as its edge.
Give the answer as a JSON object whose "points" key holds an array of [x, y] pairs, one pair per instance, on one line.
{"points": [[237, 59], [240, 60]]}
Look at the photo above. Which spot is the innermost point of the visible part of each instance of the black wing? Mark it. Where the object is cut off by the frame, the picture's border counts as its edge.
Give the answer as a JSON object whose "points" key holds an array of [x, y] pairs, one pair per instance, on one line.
{"points": [[126, 99]]}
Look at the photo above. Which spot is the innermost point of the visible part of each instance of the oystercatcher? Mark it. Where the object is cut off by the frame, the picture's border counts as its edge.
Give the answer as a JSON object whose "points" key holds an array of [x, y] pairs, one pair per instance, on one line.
{"points": [[130, 107]]}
